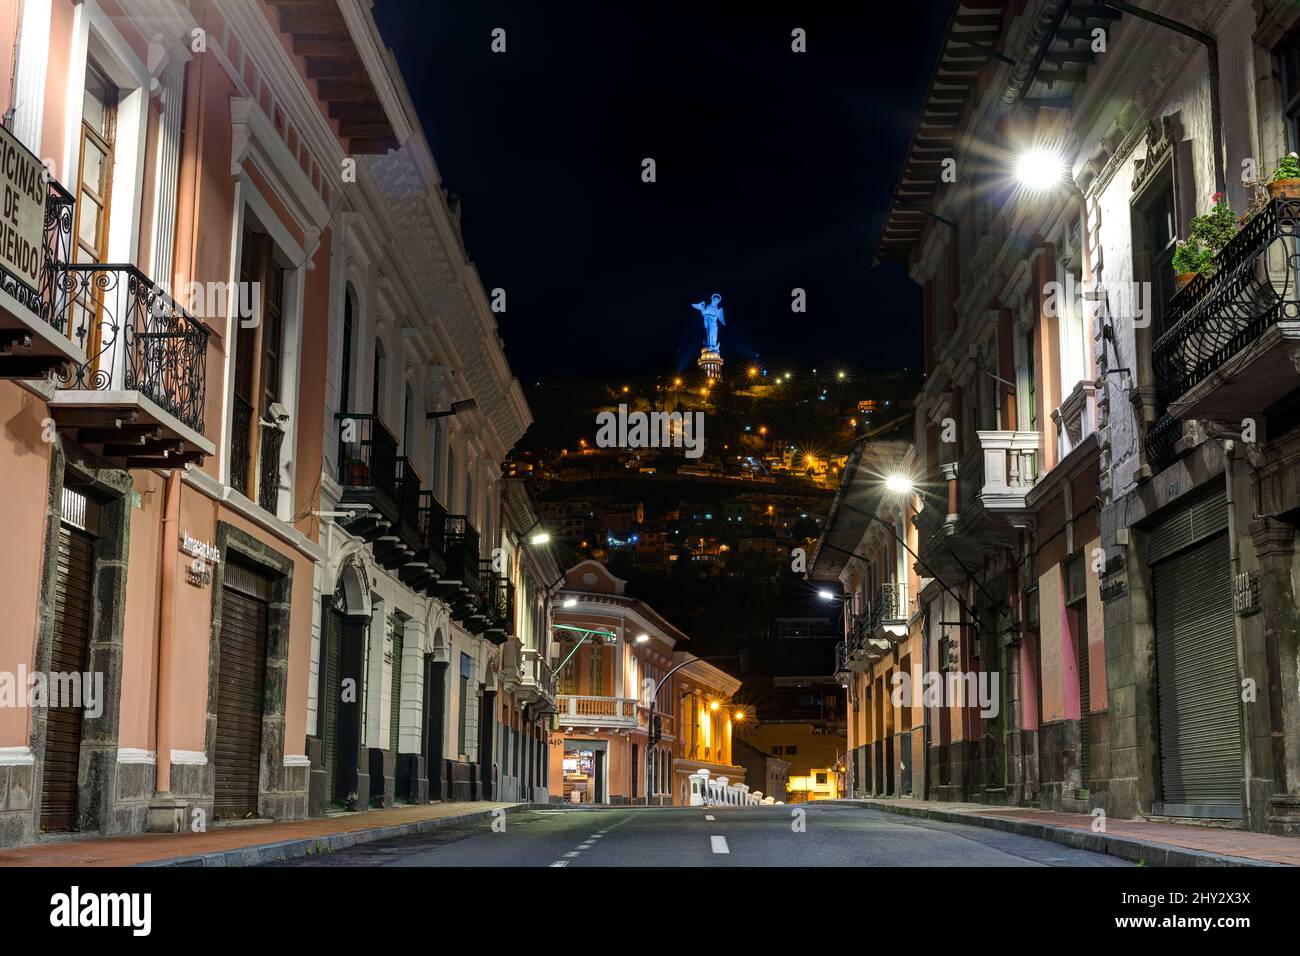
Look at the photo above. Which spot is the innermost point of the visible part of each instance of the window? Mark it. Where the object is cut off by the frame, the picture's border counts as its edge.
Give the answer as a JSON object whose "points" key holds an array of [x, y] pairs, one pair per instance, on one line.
{"points": [[94, 188], [821, 778], [408, 406], [776, 750], [462, 719], [1075, 579], [258, 375], [377, 385], [345, 382], [597, 675], [98, 131], [791, 750], [1155, 242]]}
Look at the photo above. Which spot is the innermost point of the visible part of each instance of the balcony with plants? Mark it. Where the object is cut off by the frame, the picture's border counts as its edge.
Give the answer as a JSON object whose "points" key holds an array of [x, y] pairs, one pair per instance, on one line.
{"points": [[1229, 345]]}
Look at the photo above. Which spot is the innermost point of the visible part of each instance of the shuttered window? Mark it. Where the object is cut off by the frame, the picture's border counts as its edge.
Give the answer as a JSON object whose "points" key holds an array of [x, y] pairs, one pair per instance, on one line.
{"points": [[395, 714]]}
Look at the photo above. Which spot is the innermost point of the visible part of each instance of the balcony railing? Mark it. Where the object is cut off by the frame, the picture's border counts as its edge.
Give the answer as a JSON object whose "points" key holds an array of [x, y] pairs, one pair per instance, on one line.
{"points": [[539, 677], [48, 302], [34, 315], [1218, 321], [408, 482], [598, 711], [268, 468], [135, 337], [1010, 462], [367, 463], [461, 548], [890, 606], [433, 528]]}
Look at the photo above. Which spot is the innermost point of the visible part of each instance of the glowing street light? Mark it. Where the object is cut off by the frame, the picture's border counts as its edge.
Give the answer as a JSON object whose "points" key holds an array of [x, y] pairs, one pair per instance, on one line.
{"points": [[642, 637], [899, 484], [1040, 169], [540, 538], [825, 595], [570, 602], [713, 705]]}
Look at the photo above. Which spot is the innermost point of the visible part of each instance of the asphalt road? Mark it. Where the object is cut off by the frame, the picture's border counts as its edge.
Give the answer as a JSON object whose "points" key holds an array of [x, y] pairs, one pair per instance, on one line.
{"points": [[826, 835]]}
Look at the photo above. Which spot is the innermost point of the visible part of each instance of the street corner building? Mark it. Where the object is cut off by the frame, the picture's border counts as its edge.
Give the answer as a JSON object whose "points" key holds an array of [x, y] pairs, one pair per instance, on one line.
{"points": [[638, 719], [1094, 531], [254, 408]]}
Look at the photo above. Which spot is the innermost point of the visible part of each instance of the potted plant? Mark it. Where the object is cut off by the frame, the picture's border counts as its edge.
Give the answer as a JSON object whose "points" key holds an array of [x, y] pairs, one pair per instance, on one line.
{"points": [[1285, 182], [1209, 233], [357, 472], [1189, 259]]}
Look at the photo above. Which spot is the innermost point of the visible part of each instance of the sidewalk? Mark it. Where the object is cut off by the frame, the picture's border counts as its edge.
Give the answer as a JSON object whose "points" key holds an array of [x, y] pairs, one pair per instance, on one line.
{"points": [[1142, 841], [252, 843]]}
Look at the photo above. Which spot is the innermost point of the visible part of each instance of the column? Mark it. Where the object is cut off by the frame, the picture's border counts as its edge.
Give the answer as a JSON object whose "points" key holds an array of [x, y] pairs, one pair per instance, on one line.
{"points": [[1275, 548], [29, 85]]}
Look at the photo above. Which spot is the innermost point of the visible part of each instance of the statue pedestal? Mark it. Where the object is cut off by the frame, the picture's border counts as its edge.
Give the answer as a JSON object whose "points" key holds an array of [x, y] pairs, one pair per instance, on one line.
{"points": [[710, 361]]}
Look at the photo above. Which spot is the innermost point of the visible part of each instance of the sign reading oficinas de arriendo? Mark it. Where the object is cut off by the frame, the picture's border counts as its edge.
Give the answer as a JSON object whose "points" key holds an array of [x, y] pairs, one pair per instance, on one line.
{"points": [[22, 210]]}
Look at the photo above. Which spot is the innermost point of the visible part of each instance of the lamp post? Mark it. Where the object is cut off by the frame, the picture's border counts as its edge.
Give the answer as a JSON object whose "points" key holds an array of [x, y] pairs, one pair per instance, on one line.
{"points": [[654, 696]]}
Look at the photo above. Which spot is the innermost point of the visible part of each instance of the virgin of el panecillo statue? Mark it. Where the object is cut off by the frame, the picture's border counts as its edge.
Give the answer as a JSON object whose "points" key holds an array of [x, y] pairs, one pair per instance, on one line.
{"points": [[712, 313]]}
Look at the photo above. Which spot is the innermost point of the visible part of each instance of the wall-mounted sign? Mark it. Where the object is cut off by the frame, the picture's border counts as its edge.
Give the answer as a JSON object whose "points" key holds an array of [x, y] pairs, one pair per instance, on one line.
{"points": [[22, 210], [203, 556]]}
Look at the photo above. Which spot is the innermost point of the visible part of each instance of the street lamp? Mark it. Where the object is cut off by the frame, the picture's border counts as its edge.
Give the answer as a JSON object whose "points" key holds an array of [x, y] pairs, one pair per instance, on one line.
{"points": [[650, 704], [541, 537], [899, 484], [1039, 169]]}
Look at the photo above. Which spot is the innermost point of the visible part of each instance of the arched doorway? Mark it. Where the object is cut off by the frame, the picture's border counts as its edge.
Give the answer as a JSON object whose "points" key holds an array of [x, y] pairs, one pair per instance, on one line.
{"points": [[345, 620]]}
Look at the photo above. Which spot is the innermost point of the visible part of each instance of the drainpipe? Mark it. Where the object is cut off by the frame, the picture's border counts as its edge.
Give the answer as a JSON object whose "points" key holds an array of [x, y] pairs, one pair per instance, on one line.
{"points": [[1212, 74], [165, 811], [1234, 561]]}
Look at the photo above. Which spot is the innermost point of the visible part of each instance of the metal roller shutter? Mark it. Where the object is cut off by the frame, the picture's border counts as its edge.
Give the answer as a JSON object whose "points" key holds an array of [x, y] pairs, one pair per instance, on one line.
{"points": [[1196, 669], [241, 682], [72, 610]]}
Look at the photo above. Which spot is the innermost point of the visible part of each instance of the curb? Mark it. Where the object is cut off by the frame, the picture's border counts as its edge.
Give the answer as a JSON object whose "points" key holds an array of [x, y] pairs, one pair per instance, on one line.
{"points": [[1133, 849], [263, 853]]}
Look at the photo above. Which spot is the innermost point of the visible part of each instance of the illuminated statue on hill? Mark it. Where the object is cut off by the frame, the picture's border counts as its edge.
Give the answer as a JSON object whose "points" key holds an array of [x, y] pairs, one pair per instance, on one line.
{"points": [[712, 313]]}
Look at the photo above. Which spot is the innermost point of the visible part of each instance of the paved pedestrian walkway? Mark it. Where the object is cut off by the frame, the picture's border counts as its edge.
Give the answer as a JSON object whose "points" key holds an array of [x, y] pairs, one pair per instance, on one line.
{"points": [[1155, 843], [249, 843]]}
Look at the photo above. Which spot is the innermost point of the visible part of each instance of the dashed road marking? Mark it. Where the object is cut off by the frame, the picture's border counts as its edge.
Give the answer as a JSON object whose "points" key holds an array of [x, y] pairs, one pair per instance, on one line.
{"points": [[709, 816], [560, 863], [573, 853], [719, 844]]}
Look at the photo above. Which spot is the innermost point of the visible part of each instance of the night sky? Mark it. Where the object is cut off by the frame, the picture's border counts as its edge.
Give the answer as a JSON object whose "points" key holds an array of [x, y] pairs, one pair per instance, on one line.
{"points": [[774, 170]]}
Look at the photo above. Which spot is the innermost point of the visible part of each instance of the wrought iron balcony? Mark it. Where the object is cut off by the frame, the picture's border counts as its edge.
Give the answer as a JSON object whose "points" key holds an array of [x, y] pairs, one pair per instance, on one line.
{"points": [[1226, 351], [140, 392], [367, 470], [498, 603], [460, 586], [408, 504], [841, 662], [432, 527], [34, 336], [889, 610]]}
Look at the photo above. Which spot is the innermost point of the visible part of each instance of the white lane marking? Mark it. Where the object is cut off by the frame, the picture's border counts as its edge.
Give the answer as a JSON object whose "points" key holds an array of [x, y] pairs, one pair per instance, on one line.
{"points": [[719, 844], [709, 816], [573, 853], [560, 863], [595, 836]]}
